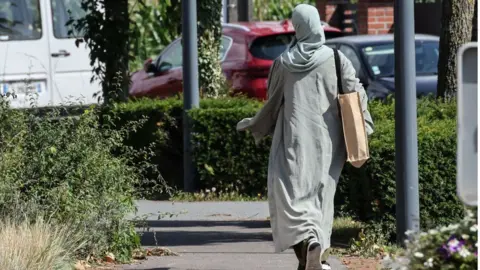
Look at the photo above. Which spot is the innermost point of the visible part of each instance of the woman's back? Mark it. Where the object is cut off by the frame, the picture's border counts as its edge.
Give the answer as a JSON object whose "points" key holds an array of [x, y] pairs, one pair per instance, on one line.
{"points": [[313, 93], [308, 128]]}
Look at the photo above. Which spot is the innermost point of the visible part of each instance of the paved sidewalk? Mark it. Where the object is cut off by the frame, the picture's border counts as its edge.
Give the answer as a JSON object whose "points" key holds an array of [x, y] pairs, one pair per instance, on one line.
{"points": [[214, 236]]}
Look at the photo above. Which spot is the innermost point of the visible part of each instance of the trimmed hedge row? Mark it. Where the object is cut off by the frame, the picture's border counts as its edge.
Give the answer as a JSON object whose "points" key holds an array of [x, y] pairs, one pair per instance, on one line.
{"points": [[163, 127], [226, 158]]}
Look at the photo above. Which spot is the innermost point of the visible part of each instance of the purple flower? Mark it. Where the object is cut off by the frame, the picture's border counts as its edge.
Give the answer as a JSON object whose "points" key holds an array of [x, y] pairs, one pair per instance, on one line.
{"points": [[454, 245], [444, 252], [452, 237]]}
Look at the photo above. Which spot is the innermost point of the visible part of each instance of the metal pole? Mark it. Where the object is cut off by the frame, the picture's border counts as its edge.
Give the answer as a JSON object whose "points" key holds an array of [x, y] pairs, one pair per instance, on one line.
{"points": [[224, 11], [191, 97], [406, 145]]}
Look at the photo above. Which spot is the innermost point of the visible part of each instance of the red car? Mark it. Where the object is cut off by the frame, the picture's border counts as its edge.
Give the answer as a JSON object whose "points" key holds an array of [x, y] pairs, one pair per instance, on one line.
{"points": [[247, 52]]}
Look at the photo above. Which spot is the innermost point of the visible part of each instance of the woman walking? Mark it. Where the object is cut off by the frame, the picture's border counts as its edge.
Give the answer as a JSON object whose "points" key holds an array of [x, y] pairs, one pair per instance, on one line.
{"points": [[308, 149]]}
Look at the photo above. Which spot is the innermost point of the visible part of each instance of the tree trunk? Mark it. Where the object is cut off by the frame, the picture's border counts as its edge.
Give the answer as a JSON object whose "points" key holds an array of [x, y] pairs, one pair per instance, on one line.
{"points": [[116, 82], [456, 30], [474, 24], [209, 40]]}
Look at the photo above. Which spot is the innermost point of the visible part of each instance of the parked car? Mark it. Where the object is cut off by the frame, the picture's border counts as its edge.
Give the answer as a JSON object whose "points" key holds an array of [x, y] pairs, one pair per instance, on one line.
{"points": [[247, 52], [35, 46], [373, 58]]}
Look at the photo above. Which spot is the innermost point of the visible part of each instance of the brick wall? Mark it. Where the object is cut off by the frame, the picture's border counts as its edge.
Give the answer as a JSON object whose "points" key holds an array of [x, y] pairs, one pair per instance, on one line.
{"points": [[372, 16], [378, 15]]}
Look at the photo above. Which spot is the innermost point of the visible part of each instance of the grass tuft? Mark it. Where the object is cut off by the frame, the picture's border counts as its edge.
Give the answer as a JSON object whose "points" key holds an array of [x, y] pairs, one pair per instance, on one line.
{"points": [[37, 245]]}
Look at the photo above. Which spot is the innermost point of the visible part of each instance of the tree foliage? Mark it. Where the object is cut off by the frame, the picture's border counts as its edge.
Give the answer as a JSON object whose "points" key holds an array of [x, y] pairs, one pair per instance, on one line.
{"points": [[106, 34], [276, 10], [153, 27]]}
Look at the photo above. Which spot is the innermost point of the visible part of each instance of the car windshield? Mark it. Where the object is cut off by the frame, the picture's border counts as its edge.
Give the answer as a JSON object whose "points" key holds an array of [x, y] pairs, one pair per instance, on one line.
{"points": [[20, 20], [270, 47], [381, 58]]}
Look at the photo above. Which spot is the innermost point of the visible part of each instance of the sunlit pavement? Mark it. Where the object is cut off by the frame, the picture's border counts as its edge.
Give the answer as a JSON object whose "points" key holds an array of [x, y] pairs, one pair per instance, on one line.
{"points": [[228, 235]]}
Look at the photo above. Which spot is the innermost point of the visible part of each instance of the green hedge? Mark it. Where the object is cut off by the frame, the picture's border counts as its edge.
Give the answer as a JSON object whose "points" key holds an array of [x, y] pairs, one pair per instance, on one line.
{"points": [[163, 127], [226, 158]]}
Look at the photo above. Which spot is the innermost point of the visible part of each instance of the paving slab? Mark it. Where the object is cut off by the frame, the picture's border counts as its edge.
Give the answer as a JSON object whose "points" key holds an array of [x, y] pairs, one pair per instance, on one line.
{"points": [[225, 262], [213, 236]]}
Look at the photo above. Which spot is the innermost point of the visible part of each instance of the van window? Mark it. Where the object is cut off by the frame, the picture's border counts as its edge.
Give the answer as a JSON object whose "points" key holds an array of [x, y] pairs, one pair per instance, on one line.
{"points": [[20, 20], [63, 11]]}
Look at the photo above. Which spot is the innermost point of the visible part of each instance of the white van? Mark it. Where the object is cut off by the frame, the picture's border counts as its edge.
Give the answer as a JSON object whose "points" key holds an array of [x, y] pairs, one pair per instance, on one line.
{"points": [[38, 55]]}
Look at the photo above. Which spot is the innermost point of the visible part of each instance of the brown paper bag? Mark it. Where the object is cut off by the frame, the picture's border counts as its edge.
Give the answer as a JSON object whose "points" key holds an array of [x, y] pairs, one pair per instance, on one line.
{"points": [[353, 122]]}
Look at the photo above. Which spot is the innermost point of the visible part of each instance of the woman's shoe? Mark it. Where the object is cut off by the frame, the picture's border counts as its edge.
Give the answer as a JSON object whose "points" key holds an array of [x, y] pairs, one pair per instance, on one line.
{"points": [[300, 252], [314, 251], [326, 266]]}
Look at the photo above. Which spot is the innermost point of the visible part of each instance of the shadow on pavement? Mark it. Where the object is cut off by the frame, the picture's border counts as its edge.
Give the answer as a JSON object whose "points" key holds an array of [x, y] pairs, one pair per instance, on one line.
{"points": [[185, 233], [172, 238], [249, 224]]}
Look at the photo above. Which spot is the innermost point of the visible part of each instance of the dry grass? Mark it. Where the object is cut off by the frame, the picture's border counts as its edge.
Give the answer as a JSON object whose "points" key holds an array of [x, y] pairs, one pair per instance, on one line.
{"points": [[38, 245], [344, 229]]}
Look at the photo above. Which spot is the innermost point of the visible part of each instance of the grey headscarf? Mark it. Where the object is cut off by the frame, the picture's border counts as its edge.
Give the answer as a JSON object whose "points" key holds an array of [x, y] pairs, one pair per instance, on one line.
{"points": [[307, 49]]}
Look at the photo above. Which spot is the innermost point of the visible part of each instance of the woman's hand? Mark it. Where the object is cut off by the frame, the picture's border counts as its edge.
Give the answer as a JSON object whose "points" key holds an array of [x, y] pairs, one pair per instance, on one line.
{"points": [[243, 125]]}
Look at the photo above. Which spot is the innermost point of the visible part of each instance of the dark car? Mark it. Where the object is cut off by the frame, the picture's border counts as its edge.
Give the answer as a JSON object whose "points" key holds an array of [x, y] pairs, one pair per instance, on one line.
{"points": [[374, 60], [247, 53]]}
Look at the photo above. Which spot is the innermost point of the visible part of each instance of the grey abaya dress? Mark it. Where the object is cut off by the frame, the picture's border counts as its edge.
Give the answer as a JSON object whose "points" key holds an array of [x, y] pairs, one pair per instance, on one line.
{"points": [[308, 150]]}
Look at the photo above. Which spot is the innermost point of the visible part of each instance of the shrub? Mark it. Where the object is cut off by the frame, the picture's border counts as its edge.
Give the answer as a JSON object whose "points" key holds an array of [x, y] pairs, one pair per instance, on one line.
{"points": [[370, 192], [37, 245], [437, 169], [448, 247], [66, 167], [227, 159], [162, 129]]}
